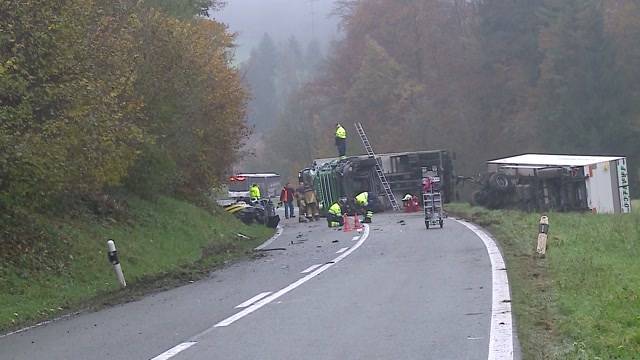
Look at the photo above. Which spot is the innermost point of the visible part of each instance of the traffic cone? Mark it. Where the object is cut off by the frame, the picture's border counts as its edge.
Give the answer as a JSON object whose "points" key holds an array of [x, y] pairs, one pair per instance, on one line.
{"points": [[345, 220], [356, 224]]}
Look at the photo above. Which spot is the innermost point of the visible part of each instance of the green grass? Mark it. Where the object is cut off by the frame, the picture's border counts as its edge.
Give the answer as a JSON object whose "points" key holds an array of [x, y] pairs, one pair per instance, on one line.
{"points": [[582, 301], [162, 240]]}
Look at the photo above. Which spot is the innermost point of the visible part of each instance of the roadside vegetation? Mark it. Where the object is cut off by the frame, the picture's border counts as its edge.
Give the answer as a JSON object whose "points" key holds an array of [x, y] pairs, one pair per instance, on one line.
{"points": [[581, 301], [161, 243], [117, 118]]}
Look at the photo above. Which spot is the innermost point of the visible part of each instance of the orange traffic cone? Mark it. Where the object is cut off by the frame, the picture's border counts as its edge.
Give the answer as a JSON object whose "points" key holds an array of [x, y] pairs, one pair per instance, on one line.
{"points": [[345, 220], [356, 223]]}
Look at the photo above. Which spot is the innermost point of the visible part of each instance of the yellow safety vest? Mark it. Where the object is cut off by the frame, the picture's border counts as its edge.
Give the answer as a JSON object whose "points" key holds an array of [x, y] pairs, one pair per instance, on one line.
{"points": [[254, 192], [341, 133], [335, 209], [362, 199]]}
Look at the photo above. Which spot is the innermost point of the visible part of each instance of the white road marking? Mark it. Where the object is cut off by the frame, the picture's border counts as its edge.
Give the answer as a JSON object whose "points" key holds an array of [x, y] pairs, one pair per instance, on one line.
{"points": [[253, 299], [342, 250], [230, 320], [310, 268], [501, 337], [46, 322], [355, 238], [174, 350], [272, 239]]}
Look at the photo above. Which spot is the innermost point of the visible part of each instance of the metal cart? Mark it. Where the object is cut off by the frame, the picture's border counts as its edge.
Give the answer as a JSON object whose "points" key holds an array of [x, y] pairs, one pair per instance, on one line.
{"points": [[432, 203]]}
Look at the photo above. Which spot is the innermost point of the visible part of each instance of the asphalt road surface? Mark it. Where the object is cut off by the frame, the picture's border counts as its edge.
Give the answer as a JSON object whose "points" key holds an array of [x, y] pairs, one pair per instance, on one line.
{"points": [[392, 291]]}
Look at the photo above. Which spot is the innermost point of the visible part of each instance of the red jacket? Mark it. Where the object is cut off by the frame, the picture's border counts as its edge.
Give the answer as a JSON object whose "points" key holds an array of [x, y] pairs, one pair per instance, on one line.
{"points": [[286, 195]]}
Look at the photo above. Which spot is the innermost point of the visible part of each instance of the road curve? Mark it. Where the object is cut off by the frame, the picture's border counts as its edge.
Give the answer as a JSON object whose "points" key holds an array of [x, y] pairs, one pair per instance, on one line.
{"points": [[396, 291]]}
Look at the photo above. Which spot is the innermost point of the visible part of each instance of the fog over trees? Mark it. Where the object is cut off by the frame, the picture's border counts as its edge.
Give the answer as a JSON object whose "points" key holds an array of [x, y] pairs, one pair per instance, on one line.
{"points": [[481, 78]]}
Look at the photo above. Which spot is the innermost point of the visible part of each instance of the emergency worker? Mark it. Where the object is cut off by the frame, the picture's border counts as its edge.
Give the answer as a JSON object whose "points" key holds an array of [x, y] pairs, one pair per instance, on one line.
{"points": [[313, 213], [334, 215], [362, 203], [302, 205], [341, 141], [254, 192]]}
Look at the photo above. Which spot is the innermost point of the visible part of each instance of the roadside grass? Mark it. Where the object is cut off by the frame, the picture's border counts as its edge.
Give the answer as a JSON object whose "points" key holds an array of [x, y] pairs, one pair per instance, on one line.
{"points": [[582, 301], [164, 243]]}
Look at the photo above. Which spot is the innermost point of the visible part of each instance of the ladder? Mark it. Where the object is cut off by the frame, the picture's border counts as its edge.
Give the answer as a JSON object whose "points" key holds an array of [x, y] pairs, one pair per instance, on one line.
{"points": [[381, 176]]}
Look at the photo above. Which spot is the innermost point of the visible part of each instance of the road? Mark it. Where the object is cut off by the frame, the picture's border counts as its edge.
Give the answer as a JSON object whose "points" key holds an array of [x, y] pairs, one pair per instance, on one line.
{"points": [[393, 291]]}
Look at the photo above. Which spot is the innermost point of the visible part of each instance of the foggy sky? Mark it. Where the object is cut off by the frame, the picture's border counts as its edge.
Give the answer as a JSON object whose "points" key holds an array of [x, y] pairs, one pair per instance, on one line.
{"points": [[280, 18]]}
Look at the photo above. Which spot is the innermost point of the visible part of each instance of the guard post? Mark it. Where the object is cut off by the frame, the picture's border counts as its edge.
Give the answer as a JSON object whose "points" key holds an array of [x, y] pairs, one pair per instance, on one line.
{"points": [[113, 259], [542, 235]]}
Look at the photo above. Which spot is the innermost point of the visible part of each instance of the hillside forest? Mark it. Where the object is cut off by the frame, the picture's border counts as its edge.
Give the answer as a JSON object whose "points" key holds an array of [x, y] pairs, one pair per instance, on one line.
{"points": [[482, 79]]}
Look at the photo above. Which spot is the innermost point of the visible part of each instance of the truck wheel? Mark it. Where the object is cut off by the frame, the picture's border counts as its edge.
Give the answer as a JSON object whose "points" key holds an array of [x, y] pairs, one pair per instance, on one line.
{"points": [[500, 182]]}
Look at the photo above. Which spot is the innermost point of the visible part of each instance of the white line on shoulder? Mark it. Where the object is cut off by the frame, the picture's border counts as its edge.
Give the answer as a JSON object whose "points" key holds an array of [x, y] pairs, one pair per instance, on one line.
{"points": [[501, 337]]}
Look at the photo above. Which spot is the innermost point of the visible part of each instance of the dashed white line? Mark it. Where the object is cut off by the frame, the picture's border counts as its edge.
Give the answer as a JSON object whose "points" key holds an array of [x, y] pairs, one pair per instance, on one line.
{"points": [[501, 337], [310, 268], [342, 250], [253, 299], [231, 319], [355, 238], [174, 350]]}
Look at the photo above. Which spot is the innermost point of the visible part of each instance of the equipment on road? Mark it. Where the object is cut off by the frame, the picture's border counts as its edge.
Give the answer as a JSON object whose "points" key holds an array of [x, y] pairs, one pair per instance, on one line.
{"points": [[432, 199], [383, 179]]}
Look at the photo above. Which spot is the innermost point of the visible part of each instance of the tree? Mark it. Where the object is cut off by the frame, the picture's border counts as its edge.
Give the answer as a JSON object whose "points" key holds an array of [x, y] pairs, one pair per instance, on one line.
{"points": [[261, 76]]}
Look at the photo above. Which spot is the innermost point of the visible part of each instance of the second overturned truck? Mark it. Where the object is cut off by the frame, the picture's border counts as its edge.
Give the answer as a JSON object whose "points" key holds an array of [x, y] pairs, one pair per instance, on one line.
{"points": [[335, 178], [545, 182]]}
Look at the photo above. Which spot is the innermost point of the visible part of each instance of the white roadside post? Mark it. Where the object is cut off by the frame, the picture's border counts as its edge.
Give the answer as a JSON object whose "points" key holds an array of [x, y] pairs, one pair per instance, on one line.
{"points": [[113, 259], [542, 235]]}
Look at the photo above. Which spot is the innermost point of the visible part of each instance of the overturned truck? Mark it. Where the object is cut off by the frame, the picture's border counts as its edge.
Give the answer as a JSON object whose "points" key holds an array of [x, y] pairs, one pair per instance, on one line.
{"points": [[545, 182], [335, 178]]}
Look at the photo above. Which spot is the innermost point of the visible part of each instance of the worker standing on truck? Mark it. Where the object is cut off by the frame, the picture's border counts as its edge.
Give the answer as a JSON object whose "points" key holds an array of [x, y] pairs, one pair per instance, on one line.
{"points": [[254, 192], [362, 202], [334, 215], [341, 140]]}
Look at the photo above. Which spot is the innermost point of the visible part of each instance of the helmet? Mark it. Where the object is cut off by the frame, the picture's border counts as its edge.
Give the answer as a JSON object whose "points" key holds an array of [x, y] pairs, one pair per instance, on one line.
{"points": [[407, 197], [342, 201]]}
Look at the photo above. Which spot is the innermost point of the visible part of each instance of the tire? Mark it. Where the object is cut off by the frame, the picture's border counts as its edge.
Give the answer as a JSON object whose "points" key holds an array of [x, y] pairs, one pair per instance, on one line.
{"points": [[500, 182]]}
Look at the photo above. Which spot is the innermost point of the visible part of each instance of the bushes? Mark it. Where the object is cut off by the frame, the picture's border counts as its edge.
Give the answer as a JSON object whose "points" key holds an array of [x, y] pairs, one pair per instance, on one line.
{"points": [[99, 94]]}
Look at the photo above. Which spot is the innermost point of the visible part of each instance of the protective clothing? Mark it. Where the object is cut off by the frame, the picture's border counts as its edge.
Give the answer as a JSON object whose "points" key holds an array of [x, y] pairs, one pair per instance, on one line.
{"points": [[254, 192], [362, 199], [334, 216], [341, 133], [335, 209]]}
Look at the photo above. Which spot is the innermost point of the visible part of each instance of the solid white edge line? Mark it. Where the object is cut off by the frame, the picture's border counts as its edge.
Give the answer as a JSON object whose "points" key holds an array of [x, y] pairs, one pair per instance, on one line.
{"points": [[231, 319], [271, 239], [501, 337], [174, 350], [342, 250], [253, 299], [310, 268]]}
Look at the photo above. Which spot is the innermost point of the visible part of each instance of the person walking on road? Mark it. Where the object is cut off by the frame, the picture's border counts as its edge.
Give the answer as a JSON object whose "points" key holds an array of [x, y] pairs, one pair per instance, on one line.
{"points": [[286, 197], [341, 141]]}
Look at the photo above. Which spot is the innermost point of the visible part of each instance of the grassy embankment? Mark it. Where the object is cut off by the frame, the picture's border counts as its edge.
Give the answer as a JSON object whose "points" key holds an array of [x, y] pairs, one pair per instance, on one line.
{"points": [[163, 243], [582, 301]]}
